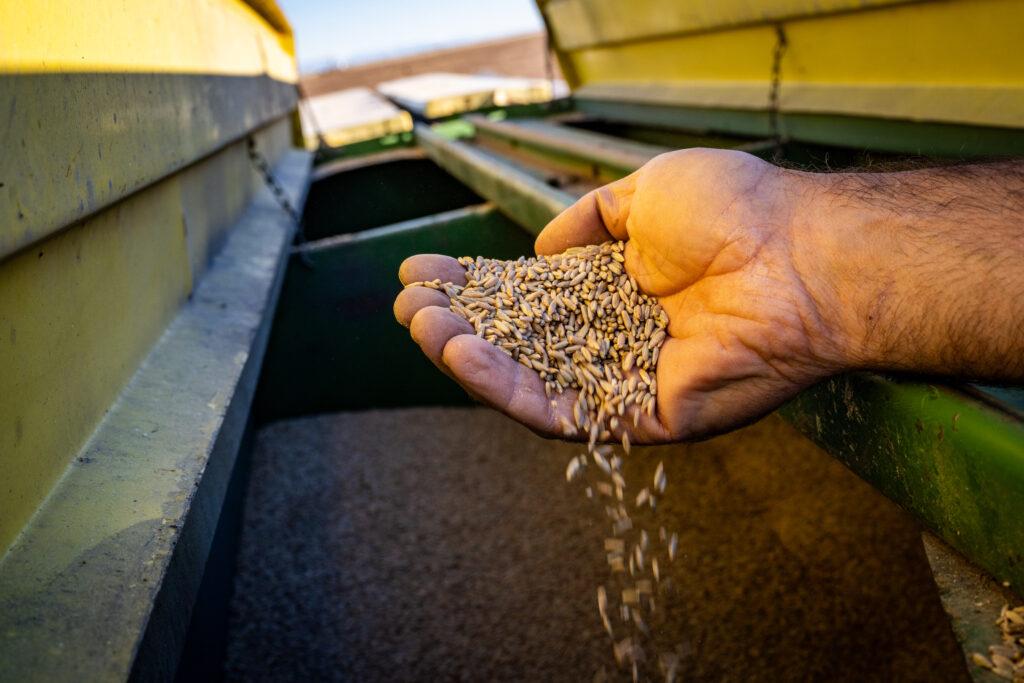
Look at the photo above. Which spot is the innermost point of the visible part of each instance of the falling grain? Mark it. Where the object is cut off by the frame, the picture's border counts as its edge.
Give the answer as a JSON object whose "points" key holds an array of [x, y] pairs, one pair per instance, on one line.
{"points": [[580, 321]]}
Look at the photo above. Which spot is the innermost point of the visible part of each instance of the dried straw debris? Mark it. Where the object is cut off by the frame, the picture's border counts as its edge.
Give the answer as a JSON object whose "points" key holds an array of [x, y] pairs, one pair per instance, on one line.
{"points": [[1006, 660]]}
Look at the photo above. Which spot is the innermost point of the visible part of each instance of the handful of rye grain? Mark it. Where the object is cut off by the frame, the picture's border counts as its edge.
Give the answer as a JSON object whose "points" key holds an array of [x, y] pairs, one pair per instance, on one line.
{"points": [[579, 320]]}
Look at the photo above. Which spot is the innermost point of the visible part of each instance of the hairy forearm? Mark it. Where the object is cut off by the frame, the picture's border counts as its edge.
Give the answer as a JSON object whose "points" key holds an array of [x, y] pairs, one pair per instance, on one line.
{"points": [[919, 270]]}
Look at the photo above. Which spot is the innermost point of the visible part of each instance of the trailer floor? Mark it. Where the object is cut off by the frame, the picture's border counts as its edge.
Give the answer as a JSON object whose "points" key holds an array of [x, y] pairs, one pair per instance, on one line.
{"points": [[444, 544]]}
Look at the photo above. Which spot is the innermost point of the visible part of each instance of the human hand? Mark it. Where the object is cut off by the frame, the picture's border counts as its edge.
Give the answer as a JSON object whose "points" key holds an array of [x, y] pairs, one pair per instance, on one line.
{"points": [[710, 234]]}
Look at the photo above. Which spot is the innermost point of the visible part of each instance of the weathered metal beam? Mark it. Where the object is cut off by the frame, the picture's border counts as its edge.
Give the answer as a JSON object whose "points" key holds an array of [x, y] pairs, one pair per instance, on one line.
{"points": [[619, 156], [82, 142], [102, 99], [527, 200], [109, 566]]}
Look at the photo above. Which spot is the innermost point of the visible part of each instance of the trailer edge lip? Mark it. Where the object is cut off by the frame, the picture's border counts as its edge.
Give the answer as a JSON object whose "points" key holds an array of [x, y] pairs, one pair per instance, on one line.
{"points": [[877, 134]]}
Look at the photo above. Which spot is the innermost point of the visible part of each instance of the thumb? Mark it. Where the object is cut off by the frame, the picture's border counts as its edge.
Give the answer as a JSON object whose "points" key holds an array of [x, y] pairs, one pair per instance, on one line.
{"points": [[598, 216]]}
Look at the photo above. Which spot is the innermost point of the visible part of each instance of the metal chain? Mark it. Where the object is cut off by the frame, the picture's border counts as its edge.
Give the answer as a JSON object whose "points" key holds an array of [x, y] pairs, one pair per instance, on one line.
{"points": [[549, 66], [263, 168], [305, 104], [773, 93]]}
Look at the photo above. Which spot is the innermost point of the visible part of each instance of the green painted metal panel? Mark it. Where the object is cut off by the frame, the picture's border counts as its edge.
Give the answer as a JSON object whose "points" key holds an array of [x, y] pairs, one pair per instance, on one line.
{"points": [[883, 135], [381, 194], [366, 147], [335, 344], [953, 460], [670, 137]]}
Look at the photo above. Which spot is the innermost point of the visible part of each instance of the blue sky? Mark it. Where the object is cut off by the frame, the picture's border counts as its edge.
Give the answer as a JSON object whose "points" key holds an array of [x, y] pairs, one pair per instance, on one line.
{"points": [[346, 32]]}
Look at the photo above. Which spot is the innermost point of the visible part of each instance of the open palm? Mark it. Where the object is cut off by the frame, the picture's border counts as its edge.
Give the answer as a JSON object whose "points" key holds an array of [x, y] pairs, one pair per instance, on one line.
{"points": [[708, 232]]}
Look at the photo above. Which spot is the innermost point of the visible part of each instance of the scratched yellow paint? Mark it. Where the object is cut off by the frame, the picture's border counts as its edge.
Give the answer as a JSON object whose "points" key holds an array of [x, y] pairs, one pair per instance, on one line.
{"points": [[226, 37], [956, 61]]}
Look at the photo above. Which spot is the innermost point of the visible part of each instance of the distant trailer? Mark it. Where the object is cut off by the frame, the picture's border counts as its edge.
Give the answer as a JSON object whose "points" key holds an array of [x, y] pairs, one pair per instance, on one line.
{"points": [[437, 95], [348, 116]]}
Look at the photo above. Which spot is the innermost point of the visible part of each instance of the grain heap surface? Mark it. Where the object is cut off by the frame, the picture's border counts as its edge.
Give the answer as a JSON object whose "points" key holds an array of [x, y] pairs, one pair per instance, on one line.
{"points": [[580, 321], [1006, 660], [442, 544]]}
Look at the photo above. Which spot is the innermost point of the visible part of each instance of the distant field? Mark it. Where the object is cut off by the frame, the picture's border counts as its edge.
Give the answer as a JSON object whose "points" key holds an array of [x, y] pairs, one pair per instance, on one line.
{"points": [[518, 56]]}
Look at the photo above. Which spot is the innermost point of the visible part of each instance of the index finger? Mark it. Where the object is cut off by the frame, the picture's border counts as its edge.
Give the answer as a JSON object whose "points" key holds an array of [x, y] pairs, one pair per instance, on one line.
{"points": [[431, 266], [599, 216]]}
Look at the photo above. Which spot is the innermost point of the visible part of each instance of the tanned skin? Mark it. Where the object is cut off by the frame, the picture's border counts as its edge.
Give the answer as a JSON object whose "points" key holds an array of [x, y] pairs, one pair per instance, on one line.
{"points": [[773, 280]]}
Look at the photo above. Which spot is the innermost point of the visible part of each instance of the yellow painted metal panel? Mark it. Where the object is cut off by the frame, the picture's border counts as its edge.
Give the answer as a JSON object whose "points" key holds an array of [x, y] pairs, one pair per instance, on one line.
{"points": [[740, 55], [273, 15], [103, 98], [77, 314], [75, 143], [582, 23], [80, 310], [226, 37], [948, 61], [400, 123]]}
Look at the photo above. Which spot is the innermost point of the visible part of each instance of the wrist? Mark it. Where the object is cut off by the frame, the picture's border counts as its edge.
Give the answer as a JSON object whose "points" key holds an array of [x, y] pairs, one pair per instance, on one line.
{"points": [[914, 271], [845, 253]]}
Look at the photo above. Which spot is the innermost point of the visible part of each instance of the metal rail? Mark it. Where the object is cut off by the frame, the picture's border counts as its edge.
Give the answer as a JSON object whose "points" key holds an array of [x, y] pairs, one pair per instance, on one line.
{"points": [[616, 154], [528, 201]]}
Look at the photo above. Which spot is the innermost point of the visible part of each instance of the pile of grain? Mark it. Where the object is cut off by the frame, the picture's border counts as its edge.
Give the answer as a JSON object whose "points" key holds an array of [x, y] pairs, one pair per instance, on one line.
{"points": [[580, 321], [1006, 660]]}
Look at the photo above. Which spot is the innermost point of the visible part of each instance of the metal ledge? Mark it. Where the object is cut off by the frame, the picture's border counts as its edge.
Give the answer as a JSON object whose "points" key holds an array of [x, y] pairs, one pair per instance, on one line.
{"points": [[619, 156], [112, 561], [523, 198], [971, 599], [411, 225]]}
